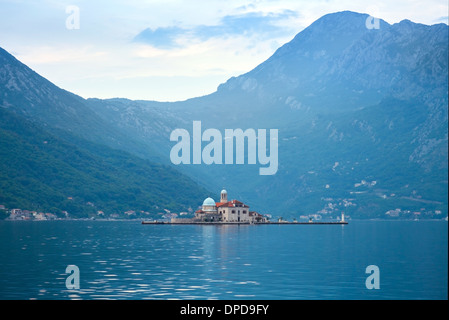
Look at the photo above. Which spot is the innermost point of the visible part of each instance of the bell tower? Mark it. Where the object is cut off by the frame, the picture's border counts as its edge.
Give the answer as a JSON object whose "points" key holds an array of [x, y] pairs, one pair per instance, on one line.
{"points": [[223, 196]]}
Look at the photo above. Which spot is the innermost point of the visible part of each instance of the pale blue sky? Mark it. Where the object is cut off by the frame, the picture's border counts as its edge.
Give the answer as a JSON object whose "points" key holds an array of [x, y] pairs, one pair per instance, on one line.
{"points": [[169, 50]]}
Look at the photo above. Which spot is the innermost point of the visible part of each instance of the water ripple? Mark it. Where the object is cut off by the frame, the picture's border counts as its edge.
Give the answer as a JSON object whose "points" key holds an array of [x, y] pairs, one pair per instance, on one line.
{"points": [[125, 260]]}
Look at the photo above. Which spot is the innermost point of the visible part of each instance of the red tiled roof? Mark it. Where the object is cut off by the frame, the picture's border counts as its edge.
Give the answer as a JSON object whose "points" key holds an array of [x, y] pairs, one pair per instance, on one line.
{"points": [[226, 205], [230, 204]]}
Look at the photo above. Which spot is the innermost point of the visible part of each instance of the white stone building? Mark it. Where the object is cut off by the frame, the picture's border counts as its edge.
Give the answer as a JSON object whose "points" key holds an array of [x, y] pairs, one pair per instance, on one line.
{"points": [[227, 211]]}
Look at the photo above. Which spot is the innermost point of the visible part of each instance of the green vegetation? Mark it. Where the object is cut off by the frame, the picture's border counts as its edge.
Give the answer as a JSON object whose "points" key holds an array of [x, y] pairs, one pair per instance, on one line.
{"points": [[362, 129], [40, 171], [371, 144]]}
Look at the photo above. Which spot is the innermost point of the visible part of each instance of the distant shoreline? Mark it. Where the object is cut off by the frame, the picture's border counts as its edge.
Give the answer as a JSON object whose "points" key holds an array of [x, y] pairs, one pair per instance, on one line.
{"points": [[168, 222], [243, 223]]}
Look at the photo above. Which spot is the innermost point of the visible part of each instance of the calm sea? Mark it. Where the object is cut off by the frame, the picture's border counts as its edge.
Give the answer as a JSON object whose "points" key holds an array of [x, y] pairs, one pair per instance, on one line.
{"points": [[128, 260]]}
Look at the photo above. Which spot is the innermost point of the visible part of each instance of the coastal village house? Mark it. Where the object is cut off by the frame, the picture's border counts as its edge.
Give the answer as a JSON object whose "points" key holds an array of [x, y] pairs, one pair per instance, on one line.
{"points": [[226, 211]]}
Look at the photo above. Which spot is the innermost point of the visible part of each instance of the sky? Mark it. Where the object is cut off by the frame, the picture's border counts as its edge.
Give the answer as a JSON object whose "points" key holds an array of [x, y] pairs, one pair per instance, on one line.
{"points": [[168, 50]]}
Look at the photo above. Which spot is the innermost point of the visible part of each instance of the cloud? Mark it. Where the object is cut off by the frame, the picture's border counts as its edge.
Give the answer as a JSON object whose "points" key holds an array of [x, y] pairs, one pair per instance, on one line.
{"points": [[442, 20], [60, 55], [258, 24], [190, 48], [164, 38]]}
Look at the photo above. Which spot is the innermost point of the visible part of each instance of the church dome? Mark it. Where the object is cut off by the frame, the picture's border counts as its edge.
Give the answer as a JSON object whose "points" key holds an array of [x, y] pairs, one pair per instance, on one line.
{"points": [[224, 191], [209, 202]]}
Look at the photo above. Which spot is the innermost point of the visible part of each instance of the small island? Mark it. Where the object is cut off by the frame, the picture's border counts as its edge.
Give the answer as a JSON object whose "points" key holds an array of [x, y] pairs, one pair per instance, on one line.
{"points": [[231, 212]]}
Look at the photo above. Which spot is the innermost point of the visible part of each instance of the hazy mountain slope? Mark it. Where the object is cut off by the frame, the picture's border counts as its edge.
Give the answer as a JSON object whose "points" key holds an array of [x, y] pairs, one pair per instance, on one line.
{"points": [[339, 93], [43, 172], [362, 116], [26, 93], [337, 57]]}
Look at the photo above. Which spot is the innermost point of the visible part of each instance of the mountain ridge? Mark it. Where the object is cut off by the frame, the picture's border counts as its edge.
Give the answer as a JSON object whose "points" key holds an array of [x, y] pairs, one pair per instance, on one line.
{"points": [[392, 63], [26, 93], [352, 104], [57, 174]]}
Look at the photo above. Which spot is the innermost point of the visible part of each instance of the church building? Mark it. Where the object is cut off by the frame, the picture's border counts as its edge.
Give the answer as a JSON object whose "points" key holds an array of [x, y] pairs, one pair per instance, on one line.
{"points": [[226, 211]]}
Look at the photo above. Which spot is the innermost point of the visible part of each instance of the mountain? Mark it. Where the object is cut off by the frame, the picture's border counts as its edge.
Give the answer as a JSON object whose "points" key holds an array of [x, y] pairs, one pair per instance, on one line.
{"points": [[54, 147], [26, 93], [44, 172], [351, 104], [362, 118], [338, 64]]}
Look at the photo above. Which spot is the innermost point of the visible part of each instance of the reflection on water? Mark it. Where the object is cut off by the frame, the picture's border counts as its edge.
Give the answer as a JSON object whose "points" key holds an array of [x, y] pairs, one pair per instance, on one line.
{"points": [[127, 260]]}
